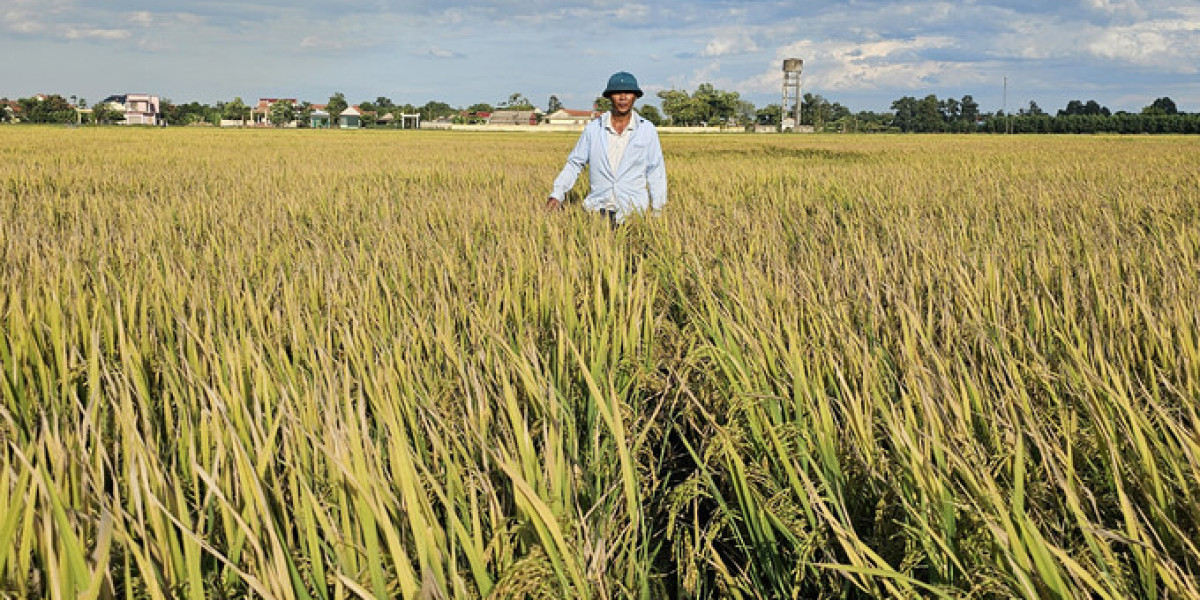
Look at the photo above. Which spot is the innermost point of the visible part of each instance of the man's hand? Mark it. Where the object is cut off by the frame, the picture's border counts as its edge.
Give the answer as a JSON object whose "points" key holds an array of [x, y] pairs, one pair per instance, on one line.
{"points": [[553, 204]]}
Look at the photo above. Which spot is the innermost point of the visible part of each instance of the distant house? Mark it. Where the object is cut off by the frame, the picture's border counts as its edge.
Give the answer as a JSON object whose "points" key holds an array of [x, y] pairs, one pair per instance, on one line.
{"points": [[513, 117], [567, 116], [11, 109], [260, 114], [480, 117], [139, 109], [351, 118], [319, 117]]}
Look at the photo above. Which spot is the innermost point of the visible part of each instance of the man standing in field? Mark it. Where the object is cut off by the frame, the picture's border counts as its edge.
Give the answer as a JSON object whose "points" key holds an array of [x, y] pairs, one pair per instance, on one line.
{"points": [[626, 163]]}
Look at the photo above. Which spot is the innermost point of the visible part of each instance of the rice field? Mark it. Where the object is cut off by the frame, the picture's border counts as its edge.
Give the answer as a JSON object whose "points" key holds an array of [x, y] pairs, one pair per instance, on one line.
{"points": [[329, 365]]}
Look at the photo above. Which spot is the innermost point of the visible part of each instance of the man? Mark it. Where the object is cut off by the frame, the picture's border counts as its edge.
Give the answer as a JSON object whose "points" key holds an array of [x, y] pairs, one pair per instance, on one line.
{"points": [[626, 164]]}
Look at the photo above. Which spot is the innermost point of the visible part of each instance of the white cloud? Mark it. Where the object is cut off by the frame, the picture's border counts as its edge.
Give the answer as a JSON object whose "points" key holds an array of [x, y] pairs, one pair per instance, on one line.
{"points": [[24, 26], [142, 19], [1117, 7], [632, 12], [1170, 45], [728, 44], [22, 18], [705, 73], [441, 53], [310, 42], [75, 33], [873, 64], [150, 45]]}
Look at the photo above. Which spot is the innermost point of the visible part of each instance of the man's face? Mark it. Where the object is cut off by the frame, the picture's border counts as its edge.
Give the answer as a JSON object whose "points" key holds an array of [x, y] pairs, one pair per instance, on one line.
{"points": [[622, 102]]}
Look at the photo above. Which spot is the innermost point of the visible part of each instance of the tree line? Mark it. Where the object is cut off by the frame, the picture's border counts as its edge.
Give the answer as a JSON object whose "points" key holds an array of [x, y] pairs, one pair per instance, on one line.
{"points": [[704, 106], [950, 115], [55, 108]]}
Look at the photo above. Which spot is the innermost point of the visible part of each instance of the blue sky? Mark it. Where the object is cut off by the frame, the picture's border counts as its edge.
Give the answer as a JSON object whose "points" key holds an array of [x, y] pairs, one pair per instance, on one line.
{"points": [[861, 53]]}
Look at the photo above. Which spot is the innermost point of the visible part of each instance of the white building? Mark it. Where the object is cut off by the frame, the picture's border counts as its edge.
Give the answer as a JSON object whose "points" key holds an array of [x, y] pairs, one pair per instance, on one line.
{"points": [[567, 116], [139, 109]]}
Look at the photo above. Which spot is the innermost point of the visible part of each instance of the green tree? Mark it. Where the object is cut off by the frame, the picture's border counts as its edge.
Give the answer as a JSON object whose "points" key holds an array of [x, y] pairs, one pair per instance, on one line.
{"points": [[433, 110], [516, 101], [719, 106], [679, 107], [1161, 106], [929, 115], [192, 112], [866, 122], [236, 110], [171, 113], [650, 112], [104, 113], [336, 106], [1034, 110], [47, 109], [602, 104], [1074, 107], [815, 110], [1093, 108], [553, 105], [950, 109], [968, 109], [304, 114], [27, 106], [837, 111], [282, 113], [745, 112], [904, 113], [709, 104], [769, 115]]}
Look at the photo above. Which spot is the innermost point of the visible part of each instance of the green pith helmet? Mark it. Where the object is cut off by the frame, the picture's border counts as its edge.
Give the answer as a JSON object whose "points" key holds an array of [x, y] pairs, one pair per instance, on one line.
{"points": [[622, 82]]}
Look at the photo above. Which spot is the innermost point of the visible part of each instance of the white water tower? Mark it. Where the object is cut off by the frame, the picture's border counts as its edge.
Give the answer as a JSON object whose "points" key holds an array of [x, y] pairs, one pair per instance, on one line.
{"points": [[790, 117]]}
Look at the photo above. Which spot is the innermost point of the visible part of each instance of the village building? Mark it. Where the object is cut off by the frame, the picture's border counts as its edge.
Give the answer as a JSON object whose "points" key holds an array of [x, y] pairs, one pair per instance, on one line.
{"points": [[139, 109], [319, 117], [351, 118], [567, 116], [480, 117], [513, 117], [12, 109], [260, 114]]}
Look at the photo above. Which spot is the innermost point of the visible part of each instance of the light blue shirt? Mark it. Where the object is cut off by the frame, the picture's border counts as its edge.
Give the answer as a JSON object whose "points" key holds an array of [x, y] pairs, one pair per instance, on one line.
{"points": [[638, 184]]}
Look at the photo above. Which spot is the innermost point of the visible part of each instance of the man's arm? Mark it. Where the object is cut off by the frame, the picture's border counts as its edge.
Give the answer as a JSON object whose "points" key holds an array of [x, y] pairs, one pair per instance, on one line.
{"points": [[570, 171], [656, 174]]}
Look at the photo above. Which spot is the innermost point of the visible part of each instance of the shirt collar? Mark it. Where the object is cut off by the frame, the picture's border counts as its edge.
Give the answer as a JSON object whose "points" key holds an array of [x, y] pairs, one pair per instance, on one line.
{"points": [[606, 121]]}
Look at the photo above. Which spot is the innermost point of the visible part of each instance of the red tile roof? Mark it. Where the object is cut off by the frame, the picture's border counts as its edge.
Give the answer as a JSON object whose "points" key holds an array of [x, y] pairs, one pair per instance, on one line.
{"points": [[265, 103]]}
